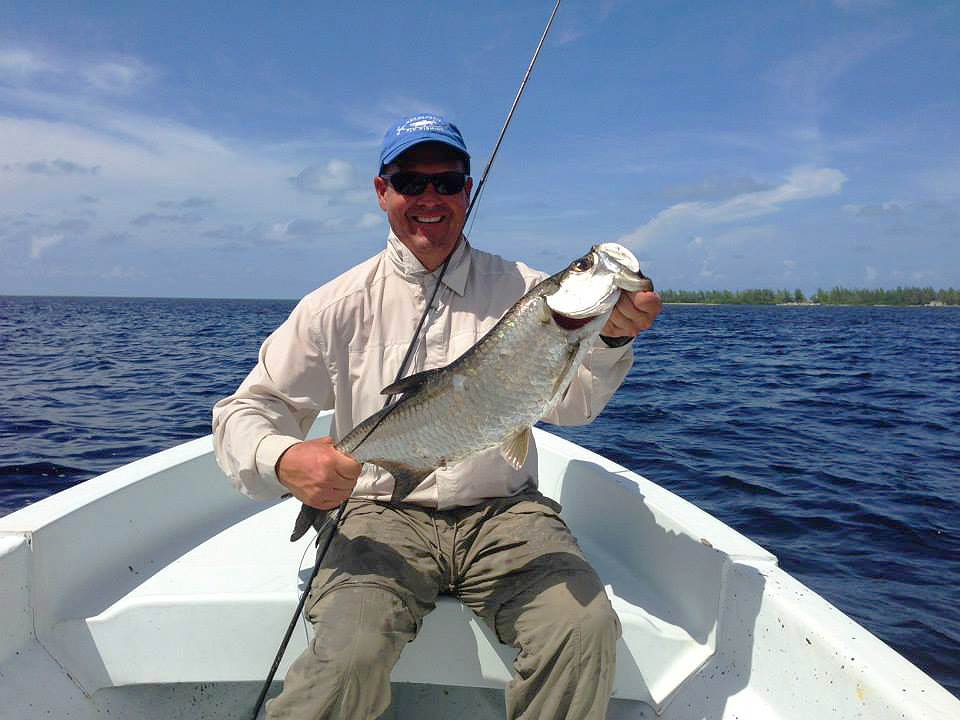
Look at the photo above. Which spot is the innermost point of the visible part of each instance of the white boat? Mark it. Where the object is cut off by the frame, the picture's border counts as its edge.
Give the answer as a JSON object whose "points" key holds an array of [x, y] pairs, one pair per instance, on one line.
{"points": [[157, 591]]}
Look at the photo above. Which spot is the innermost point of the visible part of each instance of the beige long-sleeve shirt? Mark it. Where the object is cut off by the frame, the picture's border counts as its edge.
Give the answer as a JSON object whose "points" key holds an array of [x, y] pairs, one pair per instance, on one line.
{"points": [[345, 341]]}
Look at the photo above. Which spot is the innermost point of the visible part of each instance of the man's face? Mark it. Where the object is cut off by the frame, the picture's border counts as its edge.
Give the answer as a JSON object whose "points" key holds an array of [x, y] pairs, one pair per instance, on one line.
{"points": [[429, 224]]}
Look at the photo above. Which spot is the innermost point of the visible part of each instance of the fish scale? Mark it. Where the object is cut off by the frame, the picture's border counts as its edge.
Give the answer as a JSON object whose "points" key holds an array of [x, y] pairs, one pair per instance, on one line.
{"points": [[498, 389]]}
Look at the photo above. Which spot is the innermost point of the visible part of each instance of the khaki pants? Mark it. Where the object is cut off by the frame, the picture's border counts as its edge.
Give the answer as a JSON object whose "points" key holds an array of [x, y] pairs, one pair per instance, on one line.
{"points": [[511, 560]]}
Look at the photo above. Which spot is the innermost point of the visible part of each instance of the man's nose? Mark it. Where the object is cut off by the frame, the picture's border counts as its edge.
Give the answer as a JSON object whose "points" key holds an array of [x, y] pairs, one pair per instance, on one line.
{"points": [[430, 193]]}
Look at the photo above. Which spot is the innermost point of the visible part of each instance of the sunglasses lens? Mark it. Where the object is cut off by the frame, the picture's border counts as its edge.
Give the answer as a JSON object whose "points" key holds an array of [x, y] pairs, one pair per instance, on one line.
{"points": [[414, 183], [409, 183], [449, 183]]}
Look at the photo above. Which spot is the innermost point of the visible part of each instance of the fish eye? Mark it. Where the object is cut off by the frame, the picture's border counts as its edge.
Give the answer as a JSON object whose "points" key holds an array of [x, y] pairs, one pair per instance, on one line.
{"points": [[583, 264]]}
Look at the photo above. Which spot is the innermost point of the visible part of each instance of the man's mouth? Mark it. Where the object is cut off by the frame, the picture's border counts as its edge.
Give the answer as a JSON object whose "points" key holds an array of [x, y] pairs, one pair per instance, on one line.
{"points": [[428, 219]]}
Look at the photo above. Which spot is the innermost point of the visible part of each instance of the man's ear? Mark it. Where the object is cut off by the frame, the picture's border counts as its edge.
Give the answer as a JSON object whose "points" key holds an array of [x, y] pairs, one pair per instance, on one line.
{"points": [[380, 185]]}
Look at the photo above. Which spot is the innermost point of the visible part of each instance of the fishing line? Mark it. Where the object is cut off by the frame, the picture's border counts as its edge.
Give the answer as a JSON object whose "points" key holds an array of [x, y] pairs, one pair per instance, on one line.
{"points": [[321, 552]]}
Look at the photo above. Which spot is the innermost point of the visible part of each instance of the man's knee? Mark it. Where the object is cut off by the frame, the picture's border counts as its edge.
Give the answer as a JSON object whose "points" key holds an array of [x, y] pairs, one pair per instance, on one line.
{"points": [[559, 616], [595, 624], [361, 630], [599, 625]]}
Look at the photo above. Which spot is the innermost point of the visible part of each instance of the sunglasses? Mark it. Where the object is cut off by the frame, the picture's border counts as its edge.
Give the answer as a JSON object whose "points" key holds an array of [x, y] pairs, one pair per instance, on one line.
{"points": [[408, 182]]}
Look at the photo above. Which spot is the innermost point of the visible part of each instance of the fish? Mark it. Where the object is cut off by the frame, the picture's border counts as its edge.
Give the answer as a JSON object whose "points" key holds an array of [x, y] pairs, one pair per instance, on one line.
{"points": [[495, 392]]}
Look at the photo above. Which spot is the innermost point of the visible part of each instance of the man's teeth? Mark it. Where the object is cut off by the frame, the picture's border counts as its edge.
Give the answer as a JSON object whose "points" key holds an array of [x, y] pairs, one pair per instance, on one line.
{"points": [[428, 218]]}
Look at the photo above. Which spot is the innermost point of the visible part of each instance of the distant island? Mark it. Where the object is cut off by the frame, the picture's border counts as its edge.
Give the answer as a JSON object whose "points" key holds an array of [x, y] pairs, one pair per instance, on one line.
{"points": [[836, 296]]}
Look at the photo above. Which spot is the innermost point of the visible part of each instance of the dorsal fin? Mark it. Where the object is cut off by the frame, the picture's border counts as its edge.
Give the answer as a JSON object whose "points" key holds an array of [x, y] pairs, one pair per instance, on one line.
{"points": [[410, 382]]}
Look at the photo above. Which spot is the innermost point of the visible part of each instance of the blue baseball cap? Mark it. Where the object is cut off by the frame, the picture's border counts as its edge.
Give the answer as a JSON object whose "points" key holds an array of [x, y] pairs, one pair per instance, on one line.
{"points": [[416, 129]]}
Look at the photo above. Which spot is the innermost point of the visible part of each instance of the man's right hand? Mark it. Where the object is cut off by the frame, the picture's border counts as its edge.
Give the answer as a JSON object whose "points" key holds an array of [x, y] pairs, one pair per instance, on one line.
{"points": [[318, 474]]}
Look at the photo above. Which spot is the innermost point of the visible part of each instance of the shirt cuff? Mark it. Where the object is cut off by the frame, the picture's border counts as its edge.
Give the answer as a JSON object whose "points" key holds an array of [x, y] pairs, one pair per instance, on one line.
{"points": [[602, 355], [615, 342], [269, 450]]}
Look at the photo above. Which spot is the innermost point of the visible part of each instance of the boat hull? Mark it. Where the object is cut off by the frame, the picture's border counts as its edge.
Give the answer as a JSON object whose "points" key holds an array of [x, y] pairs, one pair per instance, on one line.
{"points": [[156, 591]]}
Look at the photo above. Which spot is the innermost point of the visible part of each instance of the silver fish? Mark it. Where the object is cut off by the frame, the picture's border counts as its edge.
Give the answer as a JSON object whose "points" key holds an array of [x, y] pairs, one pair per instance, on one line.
{"points": [[495, 392]]}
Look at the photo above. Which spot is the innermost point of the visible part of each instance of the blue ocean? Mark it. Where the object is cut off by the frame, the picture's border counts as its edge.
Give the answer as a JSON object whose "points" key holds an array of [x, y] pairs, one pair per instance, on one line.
{"points": [[829, 435]]}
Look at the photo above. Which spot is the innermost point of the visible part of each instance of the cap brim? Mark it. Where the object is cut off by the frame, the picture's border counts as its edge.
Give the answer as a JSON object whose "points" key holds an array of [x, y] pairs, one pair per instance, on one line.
{"points": [[403, 147]]}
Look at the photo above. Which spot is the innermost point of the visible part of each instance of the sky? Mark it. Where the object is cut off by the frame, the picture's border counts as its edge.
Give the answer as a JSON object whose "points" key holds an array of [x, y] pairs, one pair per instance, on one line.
{"points": [[228, 149]]}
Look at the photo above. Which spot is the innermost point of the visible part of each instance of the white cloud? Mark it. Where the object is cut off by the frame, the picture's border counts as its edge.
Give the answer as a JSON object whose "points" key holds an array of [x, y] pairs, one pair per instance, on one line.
{"points": [[116, 76], [113, 75], [850, 5], [886, 209], [51, 167], [119, 272], [806, 76], [18, 64], [336, 175], [370, 220], [41, 243], [579, 20], [375, 120], [687, 217], [870, 273], [715, 189]]}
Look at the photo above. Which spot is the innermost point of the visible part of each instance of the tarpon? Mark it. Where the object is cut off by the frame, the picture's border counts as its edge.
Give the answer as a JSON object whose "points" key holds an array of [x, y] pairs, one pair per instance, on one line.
{"points": [[495, 392]]}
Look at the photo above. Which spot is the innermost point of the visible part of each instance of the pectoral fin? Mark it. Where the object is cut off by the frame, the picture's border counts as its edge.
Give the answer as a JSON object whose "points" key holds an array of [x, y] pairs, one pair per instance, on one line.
{"points": [[406, 477], [560, 385], [516, 447]]}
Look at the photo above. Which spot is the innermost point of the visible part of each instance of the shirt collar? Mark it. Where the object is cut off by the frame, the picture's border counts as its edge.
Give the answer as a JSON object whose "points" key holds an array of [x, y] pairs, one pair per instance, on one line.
{"points": [[407, 264]]}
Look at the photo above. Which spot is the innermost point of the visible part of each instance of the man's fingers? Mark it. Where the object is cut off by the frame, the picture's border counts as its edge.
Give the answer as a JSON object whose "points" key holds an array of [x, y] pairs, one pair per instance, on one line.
{"points": [[640, 309], [620, 325], [628, 309], [347, 467], [338, 482], [342, 464]]}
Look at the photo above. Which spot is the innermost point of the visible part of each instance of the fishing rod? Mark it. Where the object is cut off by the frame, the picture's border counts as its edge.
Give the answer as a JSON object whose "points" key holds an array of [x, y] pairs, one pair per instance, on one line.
{"points": [[322, 551], [473, 203]]}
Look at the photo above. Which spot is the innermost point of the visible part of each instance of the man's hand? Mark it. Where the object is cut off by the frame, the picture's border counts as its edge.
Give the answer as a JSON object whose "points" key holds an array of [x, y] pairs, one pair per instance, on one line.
{"points": [[317, 474], [634, 311]]}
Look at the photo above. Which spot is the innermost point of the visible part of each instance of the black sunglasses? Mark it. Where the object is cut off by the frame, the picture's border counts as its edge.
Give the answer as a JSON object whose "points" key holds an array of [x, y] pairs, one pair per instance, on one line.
{"points": [[407, 182]]}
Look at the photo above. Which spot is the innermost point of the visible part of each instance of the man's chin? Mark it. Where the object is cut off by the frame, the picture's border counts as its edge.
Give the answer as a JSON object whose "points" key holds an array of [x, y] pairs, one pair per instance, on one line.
{"points": [[441, 239]]}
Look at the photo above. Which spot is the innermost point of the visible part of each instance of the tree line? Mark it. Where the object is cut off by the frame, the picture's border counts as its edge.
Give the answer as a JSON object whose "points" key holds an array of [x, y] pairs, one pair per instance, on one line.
{"points": [[834, 296]]}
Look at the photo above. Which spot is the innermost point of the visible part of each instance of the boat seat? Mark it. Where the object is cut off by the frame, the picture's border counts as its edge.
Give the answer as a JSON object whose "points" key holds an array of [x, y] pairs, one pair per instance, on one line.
{"points": [[214, 604]]}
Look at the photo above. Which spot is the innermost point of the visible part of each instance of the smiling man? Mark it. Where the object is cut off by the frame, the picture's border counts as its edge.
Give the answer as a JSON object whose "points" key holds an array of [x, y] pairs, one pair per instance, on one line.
{"points": [[479, 530], [427, 223]]}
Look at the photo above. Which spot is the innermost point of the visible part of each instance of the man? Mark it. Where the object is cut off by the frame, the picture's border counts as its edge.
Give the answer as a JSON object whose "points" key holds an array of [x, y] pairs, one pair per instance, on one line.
{"points": [[479, 530]]}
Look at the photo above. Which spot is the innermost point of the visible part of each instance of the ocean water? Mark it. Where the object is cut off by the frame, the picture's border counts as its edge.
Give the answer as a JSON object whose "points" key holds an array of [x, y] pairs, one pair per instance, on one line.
{"points": [[829, 435]]}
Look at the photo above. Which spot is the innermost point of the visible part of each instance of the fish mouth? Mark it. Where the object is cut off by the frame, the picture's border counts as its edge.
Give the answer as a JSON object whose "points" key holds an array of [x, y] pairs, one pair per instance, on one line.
{"points": [[591, 285], [571, 323], [574, 317], [628, 275], [632, 282]]}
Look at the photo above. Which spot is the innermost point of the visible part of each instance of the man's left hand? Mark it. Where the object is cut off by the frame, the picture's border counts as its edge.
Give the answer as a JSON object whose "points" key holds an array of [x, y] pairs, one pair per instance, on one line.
{"points": [[634, 311]]}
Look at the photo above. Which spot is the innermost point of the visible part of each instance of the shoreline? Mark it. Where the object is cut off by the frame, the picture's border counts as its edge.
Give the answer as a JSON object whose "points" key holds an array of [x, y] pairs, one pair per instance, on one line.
{"points": [[809, 304]]}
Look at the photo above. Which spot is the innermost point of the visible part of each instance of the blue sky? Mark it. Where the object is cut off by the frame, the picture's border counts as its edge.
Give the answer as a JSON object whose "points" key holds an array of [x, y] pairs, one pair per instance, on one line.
{"points": [[228, 149]]}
